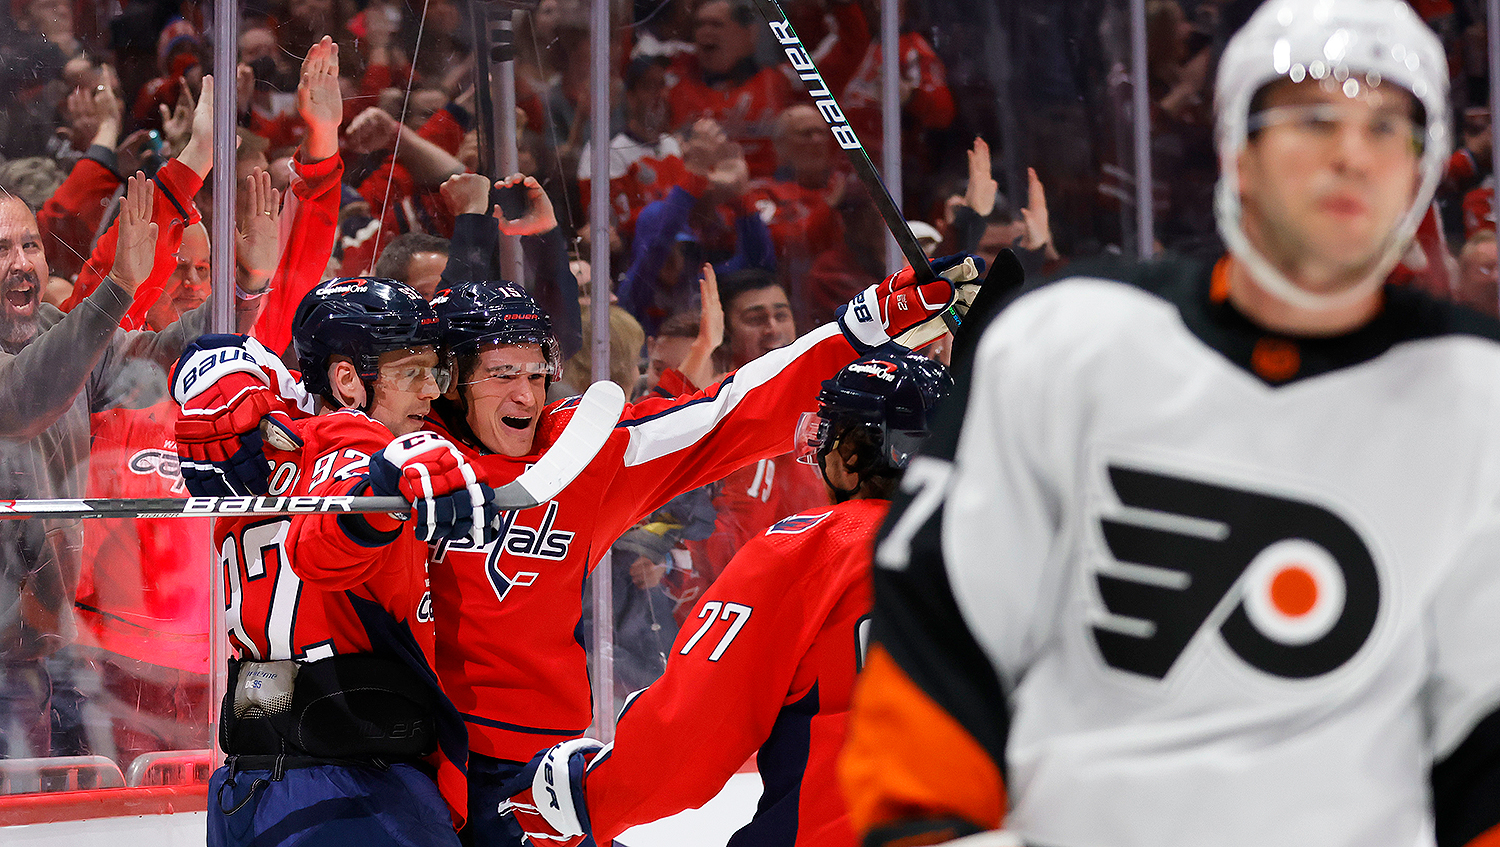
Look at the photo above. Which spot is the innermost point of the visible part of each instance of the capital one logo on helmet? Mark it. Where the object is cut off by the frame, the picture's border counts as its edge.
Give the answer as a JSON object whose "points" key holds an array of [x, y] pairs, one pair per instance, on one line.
{"points": [[1299, 583], [881, 370], [346, 287]]}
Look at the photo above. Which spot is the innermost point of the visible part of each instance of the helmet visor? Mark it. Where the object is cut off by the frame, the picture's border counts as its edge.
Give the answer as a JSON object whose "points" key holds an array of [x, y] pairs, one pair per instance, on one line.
{"points": [[494, 379], [808, 439]]}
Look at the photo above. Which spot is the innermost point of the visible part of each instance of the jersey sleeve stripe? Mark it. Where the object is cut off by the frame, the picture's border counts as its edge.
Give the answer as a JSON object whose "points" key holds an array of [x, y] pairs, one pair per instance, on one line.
{"points": [[683, 426], [906, 759], [1466, 789]]}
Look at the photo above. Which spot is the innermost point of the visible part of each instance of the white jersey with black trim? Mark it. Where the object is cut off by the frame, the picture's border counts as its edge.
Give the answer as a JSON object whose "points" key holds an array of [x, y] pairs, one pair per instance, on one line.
{"points": [[1225, 608]]}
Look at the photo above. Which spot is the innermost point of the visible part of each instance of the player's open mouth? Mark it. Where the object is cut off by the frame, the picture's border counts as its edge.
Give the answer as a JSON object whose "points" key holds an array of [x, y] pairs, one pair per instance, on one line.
{"points": [[516, 423]]}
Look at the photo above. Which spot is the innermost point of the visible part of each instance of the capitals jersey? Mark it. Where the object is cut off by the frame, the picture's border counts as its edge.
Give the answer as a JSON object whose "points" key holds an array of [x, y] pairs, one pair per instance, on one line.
{"points": [[640, 172], [311, 586], [746, 102], [766, 663], [144, 590], [508, 614], [749, 500], [1184, 581]]}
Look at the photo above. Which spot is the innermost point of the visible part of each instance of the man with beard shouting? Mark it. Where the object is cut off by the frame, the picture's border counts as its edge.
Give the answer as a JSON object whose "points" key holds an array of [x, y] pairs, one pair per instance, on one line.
{"points": [[56, 369]]}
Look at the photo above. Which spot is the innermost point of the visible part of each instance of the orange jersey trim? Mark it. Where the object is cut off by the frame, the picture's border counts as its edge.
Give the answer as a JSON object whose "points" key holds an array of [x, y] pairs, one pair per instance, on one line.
{"points": [[905, 758], [1488, 838]]}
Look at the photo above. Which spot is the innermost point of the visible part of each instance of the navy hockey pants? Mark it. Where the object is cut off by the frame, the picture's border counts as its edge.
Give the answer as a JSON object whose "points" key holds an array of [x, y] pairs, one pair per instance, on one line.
{"points": [[347, 806], [485, 827]]}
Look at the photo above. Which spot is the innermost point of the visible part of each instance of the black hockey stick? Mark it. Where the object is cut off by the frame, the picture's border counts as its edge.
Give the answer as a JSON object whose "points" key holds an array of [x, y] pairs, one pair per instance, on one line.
{"points": [[848, 141], [1003, 281], [595, 417]]}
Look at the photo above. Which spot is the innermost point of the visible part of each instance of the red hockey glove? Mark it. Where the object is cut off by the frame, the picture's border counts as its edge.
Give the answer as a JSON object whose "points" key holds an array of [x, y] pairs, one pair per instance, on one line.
{"points": [[223, 394], [448, 500], [888, 309], [547, 795]]}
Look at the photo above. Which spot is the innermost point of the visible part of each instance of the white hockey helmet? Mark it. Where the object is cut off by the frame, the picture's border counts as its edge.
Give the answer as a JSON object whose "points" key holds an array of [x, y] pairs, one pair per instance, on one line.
{"points": [[1358, 44]]}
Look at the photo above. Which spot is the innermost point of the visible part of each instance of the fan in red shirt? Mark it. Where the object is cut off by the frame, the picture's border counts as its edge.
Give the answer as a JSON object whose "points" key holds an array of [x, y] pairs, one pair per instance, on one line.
{"points": [[723, 81], [645, 161], [799, 202], [768, 659], [143, 595]]}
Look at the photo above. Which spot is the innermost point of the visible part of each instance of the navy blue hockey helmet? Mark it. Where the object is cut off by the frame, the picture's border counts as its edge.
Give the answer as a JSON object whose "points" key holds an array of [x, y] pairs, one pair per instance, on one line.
{"points": [[360, 318], [476, 314], [890, 394]]}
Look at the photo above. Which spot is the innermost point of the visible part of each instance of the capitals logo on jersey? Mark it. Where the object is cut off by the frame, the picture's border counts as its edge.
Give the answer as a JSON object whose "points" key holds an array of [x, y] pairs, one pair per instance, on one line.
{"points": [[1299, 584], [542, 541], [162, 463], [796, 524]]}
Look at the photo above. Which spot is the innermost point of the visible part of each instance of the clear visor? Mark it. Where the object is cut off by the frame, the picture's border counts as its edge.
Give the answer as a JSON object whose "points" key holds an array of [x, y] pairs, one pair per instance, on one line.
{"points": [[413, 377], [1386, 129], [808, 439], [495, 378]]}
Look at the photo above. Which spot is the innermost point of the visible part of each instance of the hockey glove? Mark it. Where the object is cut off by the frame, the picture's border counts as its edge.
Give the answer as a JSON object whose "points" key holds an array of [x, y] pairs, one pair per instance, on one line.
{"points": [[223, 393], [547, 795], [888, 309], [448, 500]]}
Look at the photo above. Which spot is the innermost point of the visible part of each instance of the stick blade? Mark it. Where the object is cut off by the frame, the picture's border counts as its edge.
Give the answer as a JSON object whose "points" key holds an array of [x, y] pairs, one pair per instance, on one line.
{"points": [[1005, 278], [593, 420]]}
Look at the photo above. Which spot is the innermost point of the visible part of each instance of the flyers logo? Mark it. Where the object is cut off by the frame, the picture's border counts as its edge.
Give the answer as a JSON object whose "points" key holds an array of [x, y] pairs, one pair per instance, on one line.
{"points": [[1301, 584]]}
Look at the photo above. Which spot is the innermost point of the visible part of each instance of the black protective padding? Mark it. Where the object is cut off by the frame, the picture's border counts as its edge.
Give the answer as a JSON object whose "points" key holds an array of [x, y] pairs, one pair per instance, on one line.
{"points": [[344, 707], [1466, 786]]}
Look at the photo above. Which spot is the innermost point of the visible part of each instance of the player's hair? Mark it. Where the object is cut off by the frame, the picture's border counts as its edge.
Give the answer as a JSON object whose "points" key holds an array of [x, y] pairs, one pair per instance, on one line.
{"points": [[395, 259], [859, 449]]}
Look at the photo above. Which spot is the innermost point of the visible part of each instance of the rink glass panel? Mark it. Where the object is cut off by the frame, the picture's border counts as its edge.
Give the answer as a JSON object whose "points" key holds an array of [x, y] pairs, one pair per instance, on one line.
{"points": [[105, 625]]}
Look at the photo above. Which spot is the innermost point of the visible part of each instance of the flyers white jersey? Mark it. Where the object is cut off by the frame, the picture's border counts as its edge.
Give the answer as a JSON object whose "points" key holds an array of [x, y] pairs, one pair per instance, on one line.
{"points": [[1234, 588]]}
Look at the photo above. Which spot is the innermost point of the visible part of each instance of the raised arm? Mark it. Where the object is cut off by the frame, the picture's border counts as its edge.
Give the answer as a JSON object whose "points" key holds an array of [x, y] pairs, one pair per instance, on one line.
{"points": [[311, 215], [176, 183], [698, 367], [428, 164], [42, 380]]}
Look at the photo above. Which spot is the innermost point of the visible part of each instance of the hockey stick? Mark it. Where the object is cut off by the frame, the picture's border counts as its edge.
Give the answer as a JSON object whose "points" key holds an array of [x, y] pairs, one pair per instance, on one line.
{"points": [[593, 420], [848, 141], [1003, 281]]}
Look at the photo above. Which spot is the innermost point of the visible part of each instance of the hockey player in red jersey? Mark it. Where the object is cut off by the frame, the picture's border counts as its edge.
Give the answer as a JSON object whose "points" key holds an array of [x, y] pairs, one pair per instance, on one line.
{"points": [[334, 723], [506, 612], [768, 660], [1203, 552], [529, 689]]}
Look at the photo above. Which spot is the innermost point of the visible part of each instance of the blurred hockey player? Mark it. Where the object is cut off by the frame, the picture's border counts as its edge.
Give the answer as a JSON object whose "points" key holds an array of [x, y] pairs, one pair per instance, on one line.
{"points": [[1204, 553], [507, 611], [768, 661], [336, 729]]}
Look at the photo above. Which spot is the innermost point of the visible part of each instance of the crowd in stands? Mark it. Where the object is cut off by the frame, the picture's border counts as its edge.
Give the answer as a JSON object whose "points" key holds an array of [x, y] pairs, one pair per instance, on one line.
{"points": [[718, 168]]}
